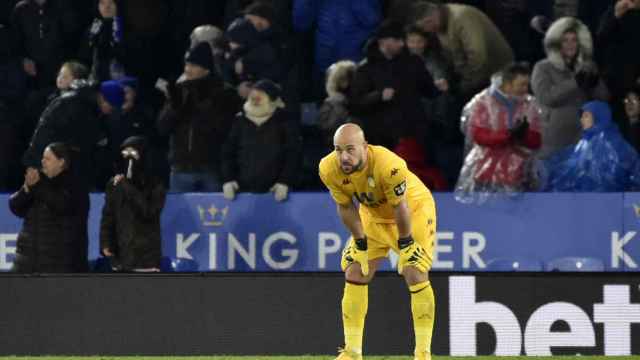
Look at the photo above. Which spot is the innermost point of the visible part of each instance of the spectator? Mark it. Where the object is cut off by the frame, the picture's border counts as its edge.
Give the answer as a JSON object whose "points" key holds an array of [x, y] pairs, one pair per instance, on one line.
{"points": [[69, 71], [563, 81], [601, 161], [632, 111], [619, 49], [262, 152], [69, 118], [197, 114], [188, 16], [134, 199], [53, 238], [215, 38], [103, 48], [341, 28], [43, 31], [443, 110], [122, 117], [504, 126], [470, 40], [264, 14], [335, 108], [250, 57], [387, 89]]}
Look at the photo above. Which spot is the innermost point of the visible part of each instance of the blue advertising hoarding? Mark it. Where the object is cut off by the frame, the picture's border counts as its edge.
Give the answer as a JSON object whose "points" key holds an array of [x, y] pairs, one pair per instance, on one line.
{"points": [[255, 233]]}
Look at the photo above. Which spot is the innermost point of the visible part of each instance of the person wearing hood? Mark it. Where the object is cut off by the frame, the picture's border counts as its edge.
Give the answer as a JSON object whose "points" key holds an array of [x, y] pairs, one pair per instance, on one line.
{"points": [[564, 81], [262, 152], [388, 87], [504, 126], [54, 207], [602, 161], [130, 233], [335, 108], [197, 115], [70, 118], [121, 117]]}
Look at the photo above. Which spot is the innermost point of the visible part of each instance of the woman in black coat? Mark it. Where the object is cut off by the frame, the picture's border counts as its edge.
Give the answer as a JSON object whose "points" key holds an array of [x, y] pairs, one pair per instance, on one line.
{"points": [[54, 207]]}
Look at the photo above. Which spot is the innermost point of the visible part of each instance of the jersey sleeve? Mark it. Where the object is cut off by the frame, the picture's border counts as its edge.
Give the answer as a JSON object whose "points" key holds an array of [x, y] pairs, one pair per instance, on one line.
{"points": [[394, 175], [337, 193]]}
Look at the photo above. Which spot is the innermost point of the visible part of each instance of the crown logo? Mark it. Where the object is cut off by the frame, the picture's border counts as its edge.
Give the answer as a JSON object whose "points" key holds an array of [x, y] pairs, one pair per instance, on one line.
{"points": [[636, 210], [212, 216]]}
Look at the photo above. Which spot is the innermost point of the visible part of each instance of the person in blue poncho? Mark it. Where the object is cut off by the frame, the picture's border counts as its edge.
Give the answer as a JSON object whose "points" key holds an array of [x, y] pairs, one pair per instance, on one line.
{"points": [[602, 161]]}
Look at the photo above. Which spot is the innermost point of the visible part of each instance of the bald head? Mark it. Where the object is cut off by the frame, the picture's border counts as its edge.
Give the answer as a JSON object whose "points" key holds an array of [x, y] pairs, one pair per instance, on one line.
{"points": [[351, 147], [349, 134]]}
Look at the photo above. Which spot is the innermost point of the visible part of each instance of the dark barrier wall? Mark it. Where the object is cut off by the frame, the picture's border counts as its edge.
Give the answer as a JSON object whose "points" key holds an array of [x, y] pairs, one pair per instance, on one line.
{"points": [[485, 313]]}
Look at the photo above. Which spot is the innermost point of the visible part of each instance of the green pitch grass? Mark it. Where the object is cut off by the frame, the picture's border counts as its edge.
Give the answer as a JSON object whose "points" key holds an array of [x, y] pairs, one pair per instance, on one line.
{"points": [[315, 358]]}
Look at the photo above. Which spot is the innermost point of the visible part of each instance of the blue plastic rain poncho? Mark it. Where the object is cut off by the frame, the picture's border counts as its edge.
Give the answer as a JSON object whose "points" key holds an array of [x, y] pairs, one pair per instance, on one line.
{"points": [[602, 161]]}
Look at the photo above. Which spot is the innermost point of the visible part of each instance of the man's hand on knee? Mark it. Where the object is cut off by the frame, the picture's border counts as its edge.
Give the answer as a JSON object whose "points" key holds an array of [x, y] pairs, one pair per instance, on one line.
{"points": [[412, 254], [356, 252]]}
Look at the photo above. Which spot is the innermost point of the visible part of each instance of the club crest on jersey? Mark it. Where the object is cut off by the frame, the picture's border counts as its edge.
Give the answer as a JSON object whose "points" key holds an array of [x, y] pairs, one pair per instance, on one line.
{"points": [[400, 188], [372, 183]]}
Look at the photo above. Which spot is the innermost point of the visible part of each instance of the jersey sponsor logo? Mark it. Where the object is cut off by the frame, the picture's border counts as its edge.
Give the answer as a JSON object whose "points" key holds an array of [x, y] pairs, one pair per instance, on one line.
{"points": [[400, 188], [369, 200], [365, 198]]}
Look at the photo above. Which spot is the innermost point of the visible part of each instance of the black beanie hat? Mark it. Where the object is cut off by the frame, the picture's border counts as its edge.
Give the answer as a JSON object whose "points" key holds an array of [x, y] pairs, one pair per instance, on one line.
{"points": [[201, 55], [390, 29], [270, 88]]}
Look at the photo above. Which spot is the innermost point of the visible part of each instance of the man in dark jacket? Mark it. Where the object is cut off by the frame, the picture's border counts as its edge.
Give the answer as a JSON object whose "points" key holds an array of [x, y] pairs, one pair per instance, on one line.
{"points": [[197, 115], [262, 152], [43, 33], [70, 118], [134, 199], [54, 208], [387, 89]]}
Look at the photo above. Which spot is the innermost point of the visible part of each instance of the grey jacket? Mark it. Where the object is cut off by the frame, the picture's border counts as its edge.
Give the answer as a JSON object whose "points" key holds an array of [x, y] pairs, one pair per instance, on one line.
{"points": [[556, 89]]}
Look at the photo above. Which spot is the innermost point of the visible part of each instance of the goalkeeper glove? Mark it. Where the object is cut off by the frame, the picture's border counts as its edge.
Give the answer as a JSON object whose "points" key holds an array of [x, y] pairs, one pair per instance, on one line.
{"points": [[411, 254], [356, 252]]}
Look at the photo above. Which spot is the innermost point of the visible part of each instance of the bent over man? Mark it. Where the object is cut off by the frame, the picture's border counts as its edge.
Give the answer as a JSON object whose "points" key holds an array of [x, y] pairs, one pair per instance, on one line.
{"points": [[396, 212]]}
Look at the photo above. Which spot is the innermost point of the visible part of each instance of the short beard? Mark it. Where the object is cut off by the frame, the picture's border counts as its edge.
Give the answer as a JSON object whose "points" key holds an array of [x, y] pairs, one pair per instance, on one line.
{"points": [[355, 168]]}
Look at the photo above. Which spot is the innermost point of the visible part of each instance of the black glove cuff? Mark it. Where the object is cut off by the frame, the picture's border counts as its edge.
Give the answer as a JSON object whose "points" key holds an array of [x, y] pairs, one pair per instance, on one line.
{"points": [[405, 242], [361, 244]]}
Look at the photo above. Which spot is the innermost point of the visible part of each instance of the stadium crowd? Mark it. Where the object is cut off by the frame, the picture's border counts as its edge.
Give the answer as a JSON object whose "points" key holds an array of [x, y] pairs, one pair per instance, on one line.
{"points": [[148, 96]]}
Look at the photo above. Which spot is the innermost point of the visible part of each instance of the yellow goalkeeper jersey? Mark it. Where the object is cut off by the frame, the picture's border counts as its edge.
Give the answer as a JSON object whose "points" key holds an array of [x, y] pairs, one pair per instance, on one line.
{"points": [[379, 187]]}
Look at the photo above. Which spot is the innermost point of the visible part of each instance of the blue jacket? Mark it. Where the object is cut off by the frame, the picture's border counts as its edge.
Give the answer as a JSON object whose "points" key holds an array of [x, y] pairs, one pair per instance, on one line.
{"points": [[601, 161], [342, 27]]}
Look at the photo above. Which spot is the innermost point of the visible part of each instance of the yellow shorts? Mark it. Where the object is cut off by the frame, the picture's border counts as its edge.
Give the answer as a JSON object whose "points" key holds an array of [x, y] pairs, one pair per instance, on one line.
{"points": [[381, 237]]}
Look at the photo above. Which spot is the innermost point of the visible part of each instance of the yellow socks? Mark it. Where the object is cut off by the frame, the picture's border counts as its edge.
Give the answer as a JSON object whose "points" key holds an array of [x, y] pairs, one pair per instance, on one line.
{"points": [[423, 311], [354, 309]]}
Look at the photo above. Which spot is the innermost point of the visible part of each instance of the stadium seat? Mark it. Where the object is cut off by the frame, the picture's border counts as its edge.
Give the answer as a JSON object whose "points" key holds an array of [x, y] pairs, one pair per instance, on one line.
{"points": [[514, 264], [575, 264], [184, 265]]}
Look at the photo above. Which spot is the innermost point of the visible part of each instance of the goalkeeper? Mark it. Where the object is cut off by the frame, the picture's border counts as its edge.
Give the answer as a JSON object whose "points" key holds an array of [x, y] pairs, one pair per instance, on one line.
{"points": [[396, 212]]}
